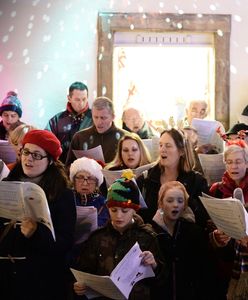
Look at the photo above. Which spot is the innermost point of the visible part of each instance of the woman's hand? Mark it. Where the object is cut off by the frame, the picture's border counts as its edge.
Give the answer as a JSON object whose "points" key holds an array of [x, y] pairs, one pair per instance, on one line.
{"points": [[221, 238], [28, 227], [79, 288], [148, 259]]}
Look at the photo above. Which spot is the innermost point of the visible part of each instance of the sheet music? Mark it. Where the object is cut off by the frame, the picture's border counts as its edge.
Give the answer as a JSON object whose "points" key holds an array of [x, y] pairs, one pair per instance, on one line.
{"points": [[24, 199], [4, 170], [212, 166], [122, 279], [152, 146], [206, 130], [229, 215], [110, 176], [95, 153], [7, 153], [86, 222]]}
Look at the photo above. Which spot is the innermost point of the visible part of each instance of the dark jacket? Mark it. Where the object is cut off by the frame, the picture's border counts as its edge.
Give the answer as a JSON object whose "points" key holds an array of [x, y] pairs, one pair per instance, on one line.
{"points": [[65, 124], [194, 183], [106, 247], [186, 256], [144, 133], [90, 138], [4, 133], [43, 274]]}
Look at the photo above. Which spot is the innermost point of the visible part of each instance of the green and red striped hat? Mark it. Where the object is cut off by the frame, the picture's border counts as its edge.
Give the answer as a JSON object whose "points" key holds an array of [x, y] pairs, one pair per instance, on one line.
{"points": [[124, 192]]}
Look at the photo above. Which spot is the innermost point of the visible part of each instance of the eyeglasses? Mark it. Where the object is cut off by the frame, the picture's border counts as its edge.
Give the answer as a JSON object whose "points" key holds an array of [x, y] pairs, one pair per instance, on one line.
{"points": [[234, 162], [88, 180], [35, 155]]}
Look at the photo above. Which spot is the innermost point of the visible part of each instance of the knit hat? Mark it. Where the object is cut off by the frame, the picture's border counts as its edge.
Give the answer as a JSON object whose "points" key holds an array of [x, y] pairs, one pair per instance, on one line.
{"points": [[12, 103], [88, 165], [236, 128], [44, 139], [124, 192]]}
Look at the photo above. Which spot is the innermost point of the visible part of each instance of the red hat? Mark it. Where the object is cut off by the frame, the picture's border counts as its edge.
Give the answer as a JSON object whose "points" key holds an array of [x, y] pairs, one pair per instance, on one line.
{"points": [[44, 139]]}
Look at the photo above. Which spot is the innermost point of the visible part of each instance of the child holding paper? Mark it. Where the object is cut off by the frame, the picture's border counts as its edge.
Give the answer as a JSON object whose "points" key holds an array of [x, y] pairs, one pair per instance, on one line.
{"points": [[106, 247], [183, 244], [235, 176]]}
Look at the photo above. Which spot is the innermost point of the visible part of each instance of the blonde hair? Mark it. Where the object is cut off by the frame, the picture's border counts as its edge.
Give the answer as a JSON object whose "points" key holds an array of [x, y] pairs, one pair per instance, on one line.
{"points": [[145, 157], [169, 185], [16, 135]]}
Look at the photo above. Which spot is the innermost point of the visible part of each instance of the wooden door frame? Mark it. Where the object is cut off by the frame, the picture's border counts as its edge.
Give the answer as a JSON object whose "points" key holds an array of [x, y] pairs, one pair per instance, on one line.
{"points": [[218, 25]]}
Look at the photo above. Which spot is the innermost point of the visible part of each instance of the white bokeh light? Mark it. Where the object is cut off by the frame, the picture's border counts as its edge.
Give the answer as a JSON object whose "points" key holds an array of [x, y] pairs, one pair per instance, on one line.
{"points": [[212, 7], [10, 55], [28, 33], [25, 52], [11, 28], [45, 68], [5, 38], [39, 75], [27, 60], [237, 18], [13, 14], [104, 90]]}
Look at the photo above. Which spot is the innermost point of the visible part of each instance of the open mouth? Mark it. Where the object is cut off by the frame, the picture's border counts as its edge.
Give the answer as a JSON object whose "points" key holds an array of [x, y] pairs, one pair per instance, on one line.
{"points": [[174, 212]]}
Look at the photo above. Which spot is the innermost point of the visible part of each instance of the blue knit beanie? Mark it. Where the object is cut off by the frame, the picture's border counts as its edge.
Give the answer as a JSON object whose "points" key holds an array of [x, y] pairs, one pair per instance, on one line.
{"points": [[11, 103]]}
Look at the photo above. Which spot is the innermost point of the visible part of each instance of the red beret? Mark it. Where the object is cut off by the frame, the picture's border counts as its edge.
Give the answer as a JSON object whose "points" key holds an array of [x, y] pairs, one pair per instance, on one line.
{"points": [[46, 140]]}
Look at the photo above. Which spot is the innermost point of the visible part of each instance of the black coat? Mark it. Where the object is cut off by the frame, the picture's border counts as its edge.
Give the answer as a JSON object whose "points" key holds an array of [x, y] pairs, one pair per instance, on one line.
{"points": [[42, 275], [186, 257], [194, 183]]}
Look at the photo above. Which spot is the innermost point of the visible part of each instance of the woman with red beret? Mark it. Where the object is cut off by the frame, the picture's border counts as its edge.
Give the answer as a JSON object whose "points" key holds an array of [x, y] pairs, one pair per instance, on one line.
{"points": [[33, 264]]}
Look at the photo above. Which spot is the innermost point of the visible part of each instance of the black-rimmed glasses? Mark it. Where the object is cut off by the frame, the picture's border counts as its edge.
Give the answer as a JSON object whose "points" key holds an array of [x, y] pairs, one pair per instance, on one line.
{"points": [[35, 155], [88, 180]]}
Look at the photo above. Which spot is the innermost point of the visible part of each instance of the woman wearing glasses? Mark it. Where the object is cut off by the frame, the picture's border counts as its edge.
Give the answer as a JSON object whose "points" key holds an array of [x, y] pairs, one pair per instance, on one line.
{"points": [[86, 176], [232, 269], [33, 264]]}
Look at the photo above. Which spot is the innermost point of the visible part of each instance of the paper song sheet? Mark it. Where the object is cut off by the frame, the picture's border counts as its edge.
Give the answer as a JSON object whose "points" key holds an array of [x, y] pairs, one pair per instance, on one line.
{"points": [[4, 170], [7, 153], [152, 146], [206, 129], [24, 199], [122, 279], [229, 215], [110, 176], [95, 153], [212, 166], [86, 222]]}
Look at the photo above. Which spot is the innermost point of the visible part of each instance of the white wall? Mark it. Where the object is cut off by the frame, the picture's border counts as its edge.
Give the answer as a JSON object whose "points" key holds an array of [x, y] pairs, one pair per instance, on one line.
{"points": [[46, 45]]}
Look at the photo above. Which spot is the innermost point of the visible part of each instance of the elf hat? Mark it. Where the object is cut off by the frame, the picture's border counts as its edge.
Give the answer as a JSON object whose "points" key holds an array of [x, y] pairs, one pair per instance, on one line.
{"points": [[124, 192]]}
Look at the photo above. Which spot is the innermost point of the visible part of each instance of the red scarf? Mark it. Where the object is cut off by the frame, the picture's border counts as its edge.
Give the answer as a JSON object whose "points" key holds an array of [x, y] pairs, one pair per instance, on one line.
{"points": [[71, 110], [228, 185]]}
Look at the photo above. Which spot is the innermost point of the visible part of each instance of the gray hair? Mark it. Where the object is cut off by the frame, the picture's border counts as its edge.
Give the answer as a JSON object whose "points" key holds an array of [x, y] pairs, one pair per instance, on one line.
{"points": [[102, 103], [234, 149]]}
